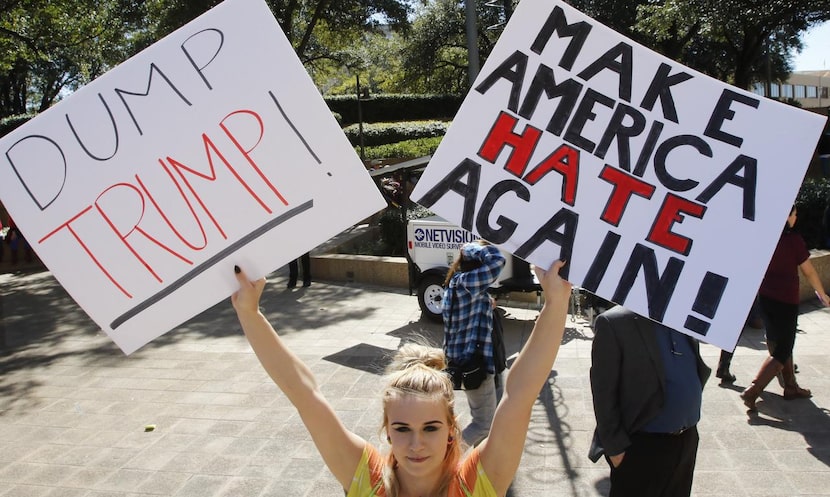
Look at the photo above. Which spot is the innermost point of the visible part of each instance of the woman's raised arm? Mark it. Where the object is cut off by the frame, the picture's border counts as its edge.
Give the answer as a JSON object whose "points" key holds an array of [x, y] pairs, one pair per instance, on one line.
{"points": [[340, 448], [502, 450]]}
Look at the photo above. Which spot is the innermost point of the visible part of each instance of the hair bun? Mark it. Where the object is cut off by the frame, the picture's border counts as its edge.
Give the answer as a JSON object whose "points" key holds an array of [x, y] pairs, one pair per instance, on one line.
{"points": [[413, 354]]}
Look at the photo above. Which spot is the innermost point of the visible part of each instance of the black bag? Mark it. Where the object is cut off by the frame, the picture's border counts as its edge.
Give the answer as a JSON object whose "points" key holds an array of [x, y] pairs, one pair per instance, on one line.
{"points": [[468, 375]]}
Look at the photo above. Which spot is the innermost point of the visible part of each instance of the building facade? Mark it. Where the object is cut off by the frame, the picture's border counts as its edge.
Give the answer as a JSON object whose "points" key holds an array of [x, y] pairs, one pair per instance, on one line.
{"points": [[810, 88]]}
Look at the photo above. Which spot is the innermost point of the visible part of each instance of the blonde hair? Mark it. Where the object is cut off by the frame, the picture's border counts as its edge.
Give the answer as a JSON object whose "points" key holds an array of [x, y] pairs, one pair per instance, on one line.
{"points": [[418, 369]]}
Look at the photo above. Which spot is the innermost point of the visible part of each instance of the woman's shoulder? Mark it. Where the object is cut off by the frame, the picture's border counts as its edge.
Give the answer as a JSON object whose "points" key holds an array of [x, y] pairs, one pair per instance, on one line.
{"points": [[368, 477], [472, 479]]}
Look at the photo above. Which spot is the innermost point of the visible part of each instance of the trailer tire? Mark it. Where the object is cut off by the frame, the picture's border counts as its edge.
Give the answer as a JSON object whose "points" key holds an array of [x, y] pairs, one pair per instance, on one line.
{"points": [[430, 294]]}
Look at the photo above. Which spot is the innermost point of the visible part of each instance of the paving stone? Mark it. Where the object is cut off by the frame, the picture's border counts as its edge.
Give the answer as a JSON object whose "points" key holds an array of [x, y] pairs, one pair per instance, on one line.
{"points": [[74, 407]]}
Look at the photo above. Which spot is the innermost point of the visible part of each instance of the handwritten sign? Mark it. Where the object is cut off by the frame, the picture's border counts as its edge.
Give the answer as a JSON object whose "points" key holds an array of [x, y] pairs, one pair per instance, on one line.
{"points": [[211, 148], [664, 189]]}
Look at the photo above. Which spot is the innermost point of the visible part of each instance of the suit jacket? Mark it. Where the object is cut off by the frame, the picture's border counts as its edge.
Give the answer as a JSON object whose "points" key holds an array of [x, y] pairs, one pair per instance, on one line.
{"points": [[627, 378]]}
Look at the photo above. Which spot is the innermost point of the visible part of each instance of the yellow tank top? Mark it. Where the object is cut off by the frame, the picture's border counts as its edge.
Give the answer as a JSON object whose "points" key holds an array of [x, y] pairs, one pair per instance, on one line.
{"points": [[472, 481]]}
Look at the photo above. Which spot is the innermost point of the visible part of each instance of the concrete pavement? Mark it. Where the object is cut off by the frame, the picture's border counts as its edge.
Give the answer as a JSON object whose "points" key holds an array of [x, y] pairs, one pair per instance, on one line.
{"points": [[75, 412]]}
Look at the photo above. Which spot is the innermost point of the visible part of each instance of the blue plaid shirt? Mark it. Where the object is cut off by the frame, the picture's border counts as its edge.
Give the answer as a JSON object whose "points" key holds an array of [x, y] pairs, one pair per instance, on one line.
{"points": [[467, 311]]}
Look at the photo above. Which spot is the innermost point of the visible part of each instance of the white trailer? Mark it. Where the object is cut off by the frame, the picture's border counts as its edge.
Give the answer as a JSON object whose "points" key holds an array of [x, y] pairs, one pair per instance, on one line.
{"points": [[433, 244]]}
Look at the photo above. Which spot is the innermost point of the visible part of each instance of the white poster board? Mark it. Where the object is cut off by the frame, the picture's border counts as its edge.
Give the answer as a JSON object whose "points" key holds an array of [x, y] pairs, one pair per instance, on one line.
{"points": [[211, 148], [664, 189]]}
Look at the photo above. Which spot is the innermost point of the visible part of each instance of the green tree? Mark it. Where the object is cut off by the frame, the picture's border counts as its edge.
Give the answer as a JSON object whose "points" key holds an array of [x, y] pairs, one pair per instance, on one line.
{"points": [[619, 15], [738, 41], [435, 56], [317, 29], [376, 60], [325, 35], [47, 48]]}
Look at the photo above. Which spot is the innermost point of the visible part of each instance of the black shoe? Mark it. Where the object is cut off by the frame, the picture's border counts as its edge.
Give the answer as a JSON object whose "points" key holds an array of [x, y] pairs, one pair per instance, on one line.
{"points": [[725, 376], [292, 284], [306, 283]]}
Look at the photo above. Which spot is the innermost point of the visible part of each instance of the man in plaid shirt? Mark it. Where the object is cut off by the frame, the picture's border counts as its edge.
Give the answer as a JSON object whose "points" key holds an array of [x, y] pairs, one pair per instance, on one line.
{"points": [[468, 326]]}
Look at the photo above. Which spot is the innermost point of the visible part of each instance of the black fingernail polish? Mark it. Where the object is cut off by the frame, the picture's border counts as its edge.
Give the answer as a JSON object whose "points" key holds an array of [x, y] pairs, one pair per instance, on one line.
{"points": [[236, 269]]}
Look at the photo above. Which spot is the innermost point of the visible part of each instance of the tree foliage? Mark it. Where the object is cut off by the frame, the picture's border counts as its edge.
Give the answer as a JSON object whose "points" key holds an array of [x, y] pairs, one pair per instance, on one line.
{"points": [[49, 47], [319, 30], [619, 15], [377, 60], [436, 55], [738, 41]]}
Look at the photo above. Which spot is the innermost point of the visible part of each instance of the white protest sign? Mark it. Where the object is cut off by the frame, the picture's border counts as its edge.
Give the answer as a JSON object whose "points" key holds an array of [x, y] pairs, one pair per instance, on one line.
{"points": [[664, 189], [211, 148]]}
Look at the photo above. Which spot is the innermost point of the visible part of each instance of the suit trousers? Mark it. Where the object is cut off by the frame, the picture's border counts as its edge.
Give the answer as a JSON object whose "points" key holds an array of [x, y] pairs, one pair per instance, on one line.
{"points": [[656, 465]]}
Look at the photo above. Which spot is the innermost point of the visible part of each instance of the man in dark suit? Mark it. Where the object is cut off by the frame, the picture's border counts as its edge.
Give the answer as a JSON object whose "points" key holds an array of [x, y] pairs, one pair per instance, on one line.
{"points": [[647, 385]]}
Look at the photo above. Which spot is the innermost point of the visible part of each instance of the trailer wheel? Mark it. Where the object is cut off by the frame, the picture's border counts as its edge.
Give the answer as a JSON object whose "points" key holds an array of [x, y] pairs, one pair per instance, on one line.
{"points": [[430, 293]]}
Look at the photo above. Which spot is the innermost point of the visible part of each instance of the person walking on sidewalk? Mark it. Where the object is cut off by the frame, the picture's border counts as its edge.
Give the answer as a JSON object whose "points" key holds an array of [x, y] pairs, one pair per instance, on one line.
{"points": [[647, 385], [425, 456], [468, 329], [779, 299]]}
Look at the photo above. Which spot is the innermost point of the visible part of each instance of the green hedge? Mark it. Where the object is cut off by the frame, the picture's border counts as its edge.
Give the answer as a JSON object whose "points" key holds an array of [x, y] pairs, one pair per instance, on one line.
{"points": [[375, 134], [392, 108], [409, 149]]}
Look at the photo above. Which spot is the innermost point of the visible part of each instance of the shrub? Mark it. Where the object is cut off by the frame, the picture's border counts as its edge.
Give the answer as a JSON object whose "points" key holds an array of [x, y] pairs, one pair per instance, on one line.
{"points": [[395, 107], [812, 200], [375, 134], [409, 149], [418, 211], [392, 225]]}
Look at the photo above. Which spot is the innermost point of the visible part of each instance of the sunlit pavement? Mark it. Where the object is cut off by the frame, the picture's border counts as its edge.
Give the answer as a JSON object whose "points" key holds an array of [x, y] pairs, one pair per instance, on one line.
{"points": [[193, 414]]}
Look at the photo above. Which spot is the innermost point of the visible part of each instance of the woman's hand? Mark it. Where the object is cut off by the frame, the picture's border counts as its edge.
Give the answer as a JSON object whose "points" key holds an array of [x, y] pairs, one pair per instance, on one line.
{"points": [[555, 288], [246, 299]]}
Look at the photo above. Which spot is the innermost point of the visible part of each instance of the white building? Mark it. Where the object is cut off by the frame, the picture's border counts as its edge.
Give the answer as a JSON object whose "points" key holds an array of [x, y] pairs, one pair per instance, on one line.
{"points": [[810, 88]]}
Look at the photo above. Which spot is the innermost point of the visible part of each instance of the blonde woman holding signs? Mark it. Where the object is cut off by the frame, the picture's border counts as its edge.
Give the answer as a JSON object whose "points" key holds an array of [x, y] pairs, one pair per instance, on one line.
{"points": [[425, 456]]}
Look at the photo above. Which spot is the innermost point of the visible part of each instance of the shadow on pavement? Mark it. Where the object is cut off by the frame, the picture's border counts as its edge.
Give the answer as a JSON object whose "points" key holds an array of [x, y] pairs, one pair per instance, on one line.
{"points": [[365, 357], [421, 331], [41, 326], [800, 416], [288, 310], [550, 435]]}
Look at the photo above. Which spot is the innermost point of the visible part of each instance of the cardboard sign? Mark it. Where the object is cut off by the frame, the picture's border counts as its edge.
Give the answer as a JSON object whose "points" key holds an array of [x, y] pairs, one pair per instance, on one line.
{"points": [[664, 189], [211, 148]]}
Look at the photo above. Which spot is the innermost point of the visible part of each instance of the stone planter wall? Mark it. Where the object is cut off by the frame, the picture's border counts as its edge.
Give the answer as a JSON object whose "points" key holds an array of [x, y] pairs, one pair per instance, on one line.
{"points": [[328, 263], [367, 269]]}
